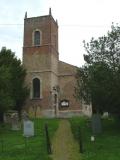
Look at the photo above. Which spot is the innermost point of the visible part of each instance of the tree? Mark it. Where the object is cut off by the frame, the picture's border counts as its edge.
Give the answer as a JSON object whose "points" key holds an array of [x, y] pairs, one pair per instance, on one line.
{"points": [[13, 91], [98, 81], [6, 99]]}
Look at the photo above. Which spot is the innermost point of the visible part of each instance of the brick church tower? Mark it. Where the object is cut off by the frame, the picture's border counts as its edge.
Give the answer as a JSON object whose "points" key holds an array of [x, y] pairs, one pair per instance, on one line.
{"points": [[40, 58], [50, 80]]}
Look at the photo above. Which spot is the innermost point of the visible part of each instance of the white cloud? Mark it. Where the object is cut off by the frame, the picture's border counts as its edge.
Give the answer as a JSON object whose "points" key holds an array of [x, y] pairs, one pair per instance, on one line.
{"points": [[78, 20]]}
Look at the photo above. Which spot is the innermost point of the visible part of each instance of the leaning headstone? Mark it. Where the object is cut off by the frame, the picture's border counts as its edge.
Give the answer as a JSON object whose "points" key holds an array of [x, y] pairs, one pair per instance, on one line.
{"points": [[28, 128], [15, 121], [96, 124]]}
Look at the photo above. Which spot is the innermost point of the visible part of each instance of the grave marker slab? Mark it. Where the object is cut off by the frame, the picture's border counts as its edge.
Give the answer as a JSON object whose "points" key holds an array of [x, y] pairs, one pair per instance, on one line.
{"points": [[28, 128], [15, 121], [96, 124]]}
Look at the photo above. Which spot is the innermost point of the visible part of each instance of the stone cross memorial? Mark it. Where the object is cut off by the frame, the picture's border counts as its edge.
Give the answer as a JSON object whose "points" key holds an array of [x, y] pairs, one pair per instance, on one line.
{"points": [[28, 128]]}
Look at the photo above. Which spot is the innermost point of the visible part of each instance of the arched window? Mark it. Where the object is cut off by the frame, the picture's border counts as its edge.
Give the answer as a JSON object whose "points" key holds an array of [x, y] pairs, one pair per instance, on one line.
{"points": [[36, 88], [36, 38]]}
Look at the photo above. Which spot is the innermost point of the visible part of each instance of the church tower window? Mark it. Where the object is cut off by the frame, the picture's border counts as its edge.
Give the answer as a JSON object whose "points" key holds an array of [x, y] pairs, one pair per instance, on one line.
{"points": [[36, 38], [36, 88]]}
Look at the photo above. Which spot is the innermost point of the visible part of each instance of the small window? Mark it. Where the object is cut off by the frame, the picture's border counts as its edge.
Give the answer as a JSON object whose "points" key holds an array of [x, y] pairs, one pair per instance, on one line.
{"points": [[36, 88], [36, 38]]}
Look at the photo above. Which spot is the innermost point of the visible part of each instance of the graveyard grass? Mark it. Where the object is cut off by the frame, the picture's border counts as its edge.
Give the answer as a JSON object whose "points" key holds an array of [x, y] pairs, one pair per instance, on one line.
{"points": [[13, 146], [106, 145]]}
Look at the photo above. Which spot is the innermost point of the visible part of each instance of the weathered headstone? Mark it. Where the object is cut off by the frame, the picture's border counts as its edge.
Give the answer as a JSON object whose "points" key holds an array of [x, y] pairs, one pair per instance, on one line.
{"points": [[105, 115], [7, 117], [25, 116], [96, 124], [28, 128], [15, 121]]}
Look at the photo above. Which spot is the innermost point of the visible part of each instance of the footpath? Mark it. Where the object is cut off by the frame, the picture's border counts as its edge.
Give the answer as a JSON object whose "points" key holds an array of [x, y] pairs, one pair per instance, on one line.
{"points": [[64, 145]]}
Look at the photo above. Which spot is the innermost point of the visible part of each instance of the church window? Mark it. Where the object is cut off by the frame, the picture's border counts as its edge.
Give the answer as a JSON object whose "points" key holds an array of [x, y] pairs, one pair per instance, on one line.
{"points": [[36, 88], [36, 38]]}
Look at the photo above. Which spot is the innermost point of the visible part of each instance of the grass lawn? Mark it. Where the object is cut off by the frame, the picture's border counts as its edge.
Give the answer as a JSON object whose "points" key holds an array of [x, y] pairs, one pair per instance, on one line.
{"points": [[106, 145], [13, 146]]}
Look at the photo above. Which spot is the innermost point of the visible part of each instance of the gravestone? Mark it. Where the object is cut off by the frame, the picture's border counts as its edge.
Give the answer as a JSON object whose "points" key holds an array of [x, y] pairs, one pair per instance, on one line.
{"points": [[25, 116], [15, 121], [7, 117], [105, 115], [96, 124], [28, 128]]}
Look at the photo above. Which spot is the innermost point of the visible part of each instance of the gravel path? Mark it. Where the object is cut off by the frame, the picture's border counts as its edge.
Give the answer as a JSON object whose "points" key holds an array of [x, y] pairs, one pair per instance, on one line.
{"points": [[64, 145]]}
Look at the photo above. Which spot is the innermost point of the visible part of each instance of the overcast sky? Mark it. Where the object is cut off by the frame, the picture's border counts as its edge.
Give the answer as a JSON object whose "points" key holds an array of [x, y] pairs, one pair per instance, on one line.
{"points": [[78, 20]]}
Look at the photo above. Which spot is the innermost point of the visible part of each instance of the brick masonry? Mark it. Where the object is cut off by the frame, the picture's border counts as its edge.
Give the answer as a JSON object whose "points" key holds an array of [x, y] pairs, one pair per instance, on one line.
{"points": [[42, 61]]}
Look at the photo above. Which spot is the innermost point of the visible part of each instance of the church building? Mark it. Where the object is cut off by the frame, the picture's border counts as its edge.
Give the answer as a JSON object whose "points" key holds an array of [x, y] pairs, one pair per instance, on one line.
{"points": [[50, 80]]}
